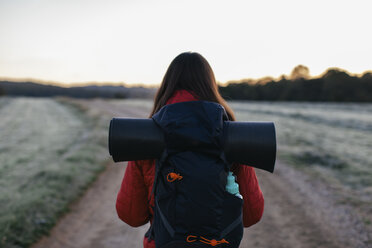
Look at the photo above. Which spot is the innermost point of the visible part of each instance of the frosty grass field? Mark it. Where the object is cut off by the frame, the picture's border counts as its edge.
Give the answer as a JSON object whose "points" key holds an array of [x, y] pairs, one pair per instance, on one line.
{"points": [[50, 150]]}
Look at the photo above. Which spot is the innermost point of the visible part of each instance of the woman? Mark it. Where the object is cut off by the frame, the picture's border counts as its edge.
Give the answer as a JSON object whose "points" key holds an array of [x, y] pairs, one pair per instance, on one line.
{"points": [[188, 78]]}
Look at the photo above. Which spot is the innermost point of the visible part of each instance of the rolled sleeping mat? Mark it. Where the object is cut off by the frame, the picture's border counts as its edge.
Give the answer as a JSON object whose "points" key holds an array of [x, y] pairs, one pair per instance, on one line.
{"points": [[249, 143], [134, 139]]}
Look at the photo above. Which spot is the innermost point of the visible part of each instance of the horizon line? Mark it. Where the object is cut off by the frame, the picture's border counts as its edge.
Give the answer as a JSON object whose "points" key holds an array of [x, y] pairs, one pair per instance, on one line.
{"points": [[144, 85]]}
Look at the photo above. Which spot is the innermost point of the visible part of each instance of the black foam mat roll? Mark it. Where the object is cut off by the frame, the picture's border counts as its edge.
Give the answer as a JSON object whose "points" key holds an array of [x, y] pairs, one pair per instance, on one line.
{"points": [[249, 143]]}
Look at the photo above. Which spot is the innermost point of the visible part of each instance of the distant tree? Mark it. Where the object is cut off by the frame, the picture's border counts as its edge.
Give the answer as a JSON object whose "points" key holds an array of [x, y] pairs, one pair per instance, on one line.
{"points": [[300, 71], [366, 81], [265, 80], [340, 86], [313, 90], [367, 76], [335, 72]]}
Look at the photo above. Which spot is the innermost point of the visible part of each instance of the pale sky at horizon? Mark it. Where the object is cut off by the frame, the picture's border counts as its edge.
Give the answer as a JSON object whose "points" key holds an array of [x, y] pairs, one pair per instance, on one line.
{"points": [[134, 41]]}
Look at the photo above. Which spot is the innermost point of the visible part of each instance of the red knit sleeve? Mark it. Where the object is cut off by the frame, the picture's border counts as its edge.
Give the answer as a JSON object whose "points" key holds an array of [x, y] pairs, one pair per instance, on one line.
{"points": [[131, 203], [253, 205]]}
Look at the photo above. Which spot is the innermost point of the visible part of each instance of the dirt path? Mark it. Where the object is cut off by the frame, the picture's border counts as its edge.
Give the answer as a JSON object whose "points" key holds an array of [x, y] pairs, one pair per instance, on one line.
{"points": [[298, 212]]}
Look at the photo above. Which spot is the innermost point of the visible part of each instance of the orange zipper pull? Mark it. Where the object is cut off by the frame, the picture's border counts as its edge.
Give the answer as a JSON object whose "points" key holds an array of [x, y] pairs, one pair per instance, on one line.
{"points": [[171, 177]]}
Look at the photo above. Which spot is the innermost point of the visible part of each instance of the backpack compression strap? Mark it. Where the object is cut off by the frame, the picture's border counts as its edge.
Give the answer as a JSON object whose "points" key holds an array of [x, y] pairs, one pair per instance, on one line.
{"points": [[165, 221], [231, 227], [158, 164], [238, 220]]}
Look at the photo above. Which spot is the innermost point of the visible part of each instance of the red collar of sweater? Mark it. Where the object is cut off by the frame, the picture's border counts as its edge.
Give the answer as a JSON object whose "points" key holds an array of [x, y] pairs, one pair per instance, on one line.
{"points": [[182, 96]]}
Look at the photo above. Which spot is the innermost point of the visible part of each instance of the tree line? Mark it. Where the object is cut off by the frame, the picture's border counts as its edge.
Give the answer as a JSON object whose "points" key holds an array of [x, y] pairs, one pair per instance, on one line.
{"points": [[90, 91], [335, 85]]}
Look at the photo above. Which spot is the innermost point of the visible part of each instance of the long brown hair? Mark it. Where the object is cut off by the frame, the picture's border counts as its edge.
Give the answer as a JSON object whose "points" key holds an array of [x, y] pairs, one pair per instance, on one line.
{"points": [[190, 71]]}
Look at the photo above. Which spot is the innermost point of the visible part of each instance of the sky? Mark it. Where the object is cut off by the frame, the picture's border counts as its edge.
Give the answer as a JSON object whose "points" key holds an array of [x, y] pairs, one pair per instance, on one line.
{"points": [[134, 41]]}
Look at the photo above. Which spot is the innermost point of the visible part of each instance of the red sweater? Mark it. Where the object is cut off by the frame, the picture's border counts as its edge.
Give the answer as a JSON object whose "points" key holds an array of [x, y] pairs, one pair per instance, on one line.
{"points": [[132, 204]]}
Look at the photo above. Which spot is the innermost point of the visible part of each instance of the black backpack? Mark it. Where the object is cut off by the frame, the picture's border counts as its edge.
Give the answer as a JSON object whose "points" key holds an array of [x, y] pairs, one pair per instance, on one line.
{"points": [[192, 207]]}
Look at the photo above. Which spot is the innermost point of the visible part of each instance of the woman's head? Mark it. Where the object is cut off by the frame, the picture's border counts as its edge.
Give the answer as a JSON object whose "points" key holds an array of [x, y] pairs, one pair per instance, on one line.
{"points": [[190, 71]]}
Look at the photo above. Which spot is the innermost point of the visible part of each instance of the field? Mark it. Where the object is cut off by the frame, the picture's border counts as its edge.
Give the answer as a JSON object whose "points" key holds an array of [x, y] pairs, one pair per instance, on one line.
{"points": [[328, 141], [49, 153], [333, 139], [52, 149]]}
